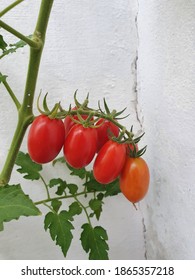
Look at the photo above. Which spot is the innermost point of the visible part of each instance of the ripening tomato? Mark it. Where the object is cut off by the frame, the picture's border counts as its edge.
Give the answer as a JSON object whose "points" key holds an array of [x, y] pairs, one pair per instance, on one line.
{"points": [[68, 123], [45, 139], [104, 130], [134, 179], [80, 146], [109, 162]]}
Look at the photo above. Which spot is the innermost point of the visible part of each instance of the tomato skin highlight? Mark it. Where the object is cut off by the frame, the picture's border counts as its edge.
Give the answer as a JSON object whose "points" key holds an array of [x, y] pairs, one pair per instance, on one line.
{"points": [[80, 146], [109, 162], [134, 179], [45, 139], [104, 130]]}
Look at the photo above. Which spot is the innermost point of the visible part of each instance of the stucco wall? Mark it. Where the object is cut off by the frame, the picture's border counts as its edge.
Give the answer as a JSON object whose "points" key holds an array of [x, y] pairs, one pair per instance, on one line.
{"points": [[91, 46], [166, 93]]}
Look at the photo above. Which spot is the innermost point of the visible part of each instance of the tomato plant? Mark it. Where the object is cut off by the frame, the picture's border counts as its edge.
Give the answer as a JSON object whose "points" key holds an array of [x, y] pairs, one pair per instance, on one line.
{"points": [[45, 139], [80, 145], [134, 179], [83, 133], [105, 130], [109, 162]]}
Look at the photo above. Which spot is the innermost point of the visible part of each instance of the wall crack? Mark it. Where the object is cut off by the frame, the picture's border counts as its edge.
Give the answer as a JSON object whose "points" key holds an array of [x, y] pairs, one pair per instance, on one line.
{"points": [[138, 110]]}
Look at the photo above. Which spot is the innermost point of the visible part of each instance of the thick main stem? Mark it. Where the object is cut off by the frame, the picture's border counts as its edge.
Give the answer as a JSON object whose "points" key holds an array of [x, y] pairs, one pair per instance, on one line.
{"points": [[25, 113]]}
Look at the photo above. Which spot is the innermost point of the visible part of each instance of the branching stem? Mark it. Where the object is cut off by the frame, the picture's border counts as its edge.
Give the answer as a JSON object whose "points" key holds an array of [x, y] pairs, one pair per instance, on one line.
{"points": [[35, 43], [12, 95]]}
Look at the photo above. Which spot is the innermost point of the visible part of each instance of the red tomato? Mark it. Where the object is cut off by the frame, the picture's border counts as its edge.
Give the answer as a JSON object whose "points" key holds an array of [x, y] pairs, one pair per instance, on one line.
{"points": [[80, 146], [134, 179], [109, 162], [68, 123], [45, 139], [104, 130]]}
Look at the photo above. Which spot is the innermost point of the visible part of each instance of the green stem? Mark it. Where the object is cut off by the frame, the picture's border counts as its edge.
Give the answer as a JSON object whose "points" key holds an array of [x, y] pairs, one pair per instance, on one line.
{"points": [[85, 210], [46, 187], [60, 197], [12, 95], [32, 43], [11, 6], [25, 113]]}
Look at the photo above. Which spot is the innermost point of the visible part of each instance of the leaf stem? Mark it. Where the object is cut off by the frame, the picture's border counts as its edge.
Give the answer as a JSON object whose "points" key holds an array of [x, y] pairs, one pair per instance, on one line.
{"points": [[85, 210], [35, 43], [11, 6], [60, 197], [12, 95], [46, 186]]}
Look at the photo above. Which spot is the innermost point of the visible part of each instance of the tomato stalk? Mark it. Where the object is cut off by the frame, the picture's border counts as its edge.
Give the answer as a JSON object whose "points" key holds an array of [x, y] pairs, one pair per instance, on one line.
{"points": [[25, 112], [11, 6]]}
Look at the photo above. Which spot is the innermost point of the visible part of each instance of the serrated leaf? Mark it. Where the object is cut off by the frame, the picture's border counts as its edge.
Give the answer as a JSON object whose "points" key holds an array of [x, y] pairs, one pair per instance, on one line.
{"points": [[93, 241], [72, 188], [59, 183], [14, 203], [28, 167], [96, 206], [60, 229], [3, 44], [75, 209], [56, 204]]}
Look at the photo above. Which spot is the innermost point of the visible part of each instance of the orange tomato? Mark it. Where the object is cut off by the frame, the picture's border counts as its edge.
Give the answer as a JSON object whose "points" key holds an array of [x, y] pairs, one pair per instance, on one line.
{"points": [[134, 179]]}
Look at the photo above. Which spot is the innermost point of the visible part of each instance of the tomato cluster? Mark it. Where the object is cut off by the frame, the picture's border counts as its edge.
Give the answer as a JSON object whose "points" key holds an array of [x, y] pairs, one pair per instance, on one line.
{"points": [[81, 143]]}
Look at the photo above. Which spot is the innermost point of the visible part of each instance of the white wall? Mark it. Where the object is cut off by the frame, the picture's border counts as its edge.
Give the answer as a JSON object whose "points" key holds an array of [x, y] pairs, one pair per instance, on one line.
{"points": [[166, 93], [91, 46]]}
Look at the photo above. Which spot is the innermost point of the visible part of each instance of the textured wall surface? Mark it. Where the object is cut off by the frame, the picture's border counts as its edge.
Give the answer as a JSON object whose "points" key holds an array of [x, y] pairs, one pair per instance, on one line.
{"points": [[166, 93], [91, 46]]}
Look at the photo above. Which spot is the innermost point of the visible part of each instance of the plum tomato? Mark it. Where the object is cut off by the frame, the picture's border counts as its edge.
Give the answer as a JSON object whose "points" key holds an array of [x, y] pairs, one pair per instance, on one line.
{"points": [[80, 146], [134, 179], [109, 162], [45, 139]]}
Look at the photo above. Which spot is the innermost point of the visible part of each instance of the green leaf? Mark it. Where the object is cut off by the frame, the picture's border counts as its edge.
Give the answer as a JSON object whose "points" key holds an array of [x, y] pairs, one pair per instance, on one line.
{"points": [[93, 241], [112, 188], [81, 173], [72, 188], [75, 209], [56, 204], [60, 184], [96, 206], [3, 44], [60, 226], [60, 229], [28, 167], [60, 160], [14, 203]]}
